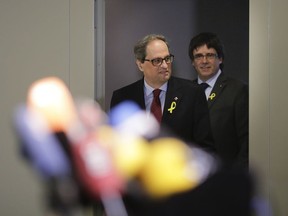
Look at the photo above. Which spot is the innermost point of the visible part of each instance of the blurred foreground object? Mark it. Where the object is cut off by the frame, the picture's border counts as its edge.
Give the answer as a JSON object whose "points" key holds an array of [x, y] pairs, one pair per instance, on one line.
{"points": [[174, 167], [129, 152], [42, 148], [166, 166], [128, 118], [85, 156], [51, 98], [128, 137]]}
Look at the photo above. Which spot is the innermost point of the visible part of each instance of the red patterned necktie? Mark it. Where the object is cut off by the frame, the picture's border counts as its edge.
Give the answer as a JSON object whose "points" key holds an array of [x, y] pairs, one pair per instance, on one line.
{"points": [[156, 105]]}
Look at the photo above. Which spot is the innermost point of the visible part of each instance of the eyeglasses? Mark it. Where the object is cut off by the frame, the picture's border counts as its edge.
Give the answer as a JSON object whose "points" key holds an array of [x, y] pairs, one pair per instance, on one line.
{"points": [[158, 61], [208, 56]]}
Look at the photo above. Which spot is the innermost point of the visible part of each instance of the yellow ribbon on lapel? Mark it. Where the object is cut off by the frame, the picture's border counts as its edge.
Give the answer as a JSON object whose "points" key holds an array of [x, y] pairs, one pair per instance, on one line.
{"points": [[212, 96], [172, 107]]}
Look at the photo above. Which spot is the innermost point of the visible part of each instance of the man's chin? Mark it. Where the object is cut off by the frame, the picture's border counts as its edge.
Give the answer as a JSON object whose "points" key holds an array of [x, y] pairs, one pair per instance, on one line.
{"points": [[166, 76], [206, 73]]}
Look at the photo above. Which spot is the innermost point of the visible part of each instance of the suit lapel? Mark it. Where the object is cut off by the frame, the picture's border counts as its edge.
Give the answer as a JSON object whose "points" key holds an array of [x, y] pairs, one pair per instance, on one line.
{"points": [[173, 97], [217, 89], [139, 90]]}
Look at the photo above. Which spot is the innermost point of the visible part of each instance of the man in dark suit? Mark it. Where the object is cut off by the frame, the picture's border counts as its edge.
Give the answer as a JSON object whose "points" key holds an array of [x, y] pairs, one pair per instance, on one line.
{"points": [[183, 105], [227, 99]]}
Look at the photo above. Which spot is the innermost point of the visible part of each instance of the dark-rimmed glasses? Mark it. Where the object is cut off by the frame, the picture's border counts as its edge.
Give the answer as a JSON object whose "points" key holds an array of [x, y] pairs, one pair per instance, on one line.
{"points": [[158, 61], [208, 56]]}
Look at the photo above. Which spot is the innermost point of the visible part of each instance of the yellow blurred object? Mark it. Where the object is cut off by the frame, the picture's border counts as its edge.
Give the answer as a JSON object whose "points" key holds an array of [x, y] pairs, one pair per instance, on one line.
{"points": [[51, 98], [167, 170], [129, 152]]}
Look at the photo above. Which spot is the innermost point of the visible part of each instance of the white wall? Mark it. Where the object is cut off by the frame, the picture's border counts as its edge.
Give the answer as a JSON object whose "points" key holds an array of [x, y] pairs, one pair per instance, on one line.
{"points": [[268, 104], [38, 38]]}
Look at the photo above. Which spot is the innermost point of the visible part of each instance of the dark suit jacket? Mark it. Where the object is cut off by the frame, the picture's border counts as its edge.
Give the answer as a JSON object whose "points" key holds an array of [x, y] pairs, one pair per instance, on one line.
{"points": [[228, 192], [189, 120], [229, 119]]}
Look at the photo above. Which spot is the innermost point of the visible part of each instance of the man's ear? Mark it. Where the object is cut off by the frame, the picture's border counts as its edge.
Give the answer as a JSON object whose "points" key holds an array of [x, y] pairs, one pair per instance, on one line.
{"points": [[139, 64], [193, 63], [221, 60]]}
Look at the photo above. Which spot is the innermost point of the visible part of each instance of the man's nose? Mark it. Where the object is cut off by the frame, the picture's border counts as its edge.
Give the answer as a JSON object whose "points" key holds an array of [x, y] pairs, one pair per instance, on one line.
{"points": [[205, 58], [164, 64]]}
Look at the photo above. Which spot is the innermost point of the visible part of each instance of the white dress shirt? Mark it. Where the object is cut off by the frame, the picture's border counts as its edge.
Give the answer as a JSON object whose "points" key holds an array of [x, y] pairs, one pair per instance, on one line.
{"points": [[211, 82]]}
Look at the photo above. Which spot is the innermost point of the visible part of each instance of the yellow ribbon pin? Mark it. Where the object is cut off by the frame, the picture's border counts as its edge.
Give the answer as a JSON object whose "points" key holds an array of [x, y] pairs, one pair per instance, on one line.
{"points": [[172, 107], [212, 96]]}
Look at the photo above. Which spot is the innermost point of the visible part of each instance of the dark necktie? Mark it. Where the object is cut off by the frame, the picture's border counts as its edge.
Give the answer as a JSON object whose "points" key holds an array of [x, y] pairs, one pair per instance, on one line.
{"points": [[204, 86], [156, 105]]}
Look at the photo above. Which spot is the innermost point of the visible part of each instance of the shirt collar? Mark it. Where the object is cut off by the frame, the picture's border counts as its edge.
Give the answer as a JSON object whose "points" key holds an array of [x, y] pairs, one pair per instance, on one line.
{"points": [[149, 89]]}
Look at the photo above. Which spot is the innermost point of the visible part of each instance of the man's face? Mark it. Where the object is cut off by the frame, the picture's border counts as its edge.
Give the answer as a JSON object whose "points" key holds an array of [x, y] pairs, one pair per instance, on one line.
{"points": [[155, 76], [206, 62]]}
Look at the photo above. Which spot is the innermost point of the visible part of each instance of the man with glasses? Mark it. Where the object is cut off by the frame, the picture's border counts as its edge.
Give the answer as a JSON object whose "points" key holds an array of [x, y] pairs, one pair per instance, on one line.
{"points": [[183, 109], [227, 99]]}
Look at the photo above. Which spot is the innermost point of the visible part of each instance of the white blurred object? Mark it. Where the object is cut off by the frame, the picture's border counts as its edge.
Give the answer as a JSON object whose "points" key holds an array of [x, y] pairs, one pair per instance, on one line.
{"points": [[129, 118], [51, 98]]}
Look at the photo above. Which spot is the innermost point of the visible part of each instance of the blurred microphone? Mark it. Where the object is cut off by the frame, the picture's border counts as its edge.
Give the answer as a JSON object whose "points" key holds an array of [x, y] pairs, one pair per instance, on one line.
{"points": [[127, 117], [96, 170], [174, 167], [43, 149], [93, 158], [129, 153], [50, 98]]}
